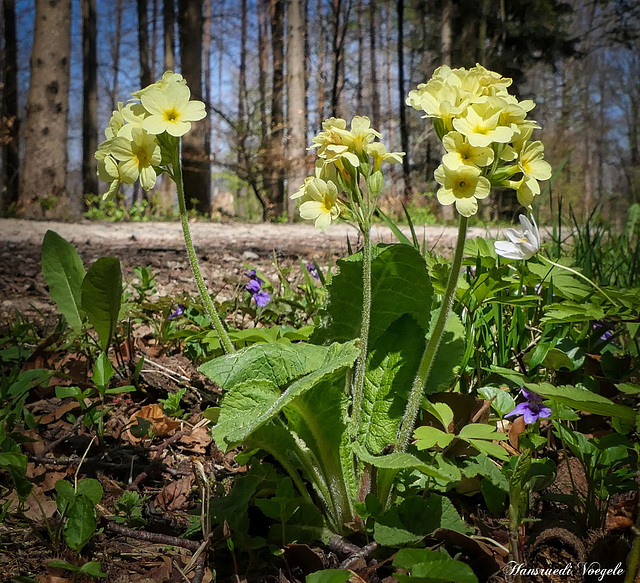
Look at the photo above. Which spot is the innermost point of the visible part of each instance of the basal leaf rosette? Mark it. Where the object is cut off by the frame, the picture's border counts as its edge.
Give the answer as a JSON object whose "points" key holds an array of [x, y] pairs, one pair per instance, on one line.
{"points": [[348, 159], [481, 125], [138, 133]]}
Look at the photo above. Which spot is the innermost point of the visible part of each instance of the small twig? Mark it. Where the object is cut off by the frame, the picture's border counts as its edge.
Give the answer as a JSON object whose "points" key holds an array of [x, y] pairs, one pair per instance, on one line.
{"points": [[485, 406], [167, 370], [64, 437], [154, 537], [362, 553]]}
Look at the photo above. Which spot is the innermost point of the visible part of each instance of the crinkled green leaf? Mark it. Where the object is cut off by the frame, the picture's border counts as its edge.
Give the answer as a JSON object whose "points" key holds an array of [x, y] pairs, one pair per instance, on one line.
{"points": [[400, 285], [102, 296], [63, 271], [249, 405], [448, 357], [275, 362], [392, 365]]}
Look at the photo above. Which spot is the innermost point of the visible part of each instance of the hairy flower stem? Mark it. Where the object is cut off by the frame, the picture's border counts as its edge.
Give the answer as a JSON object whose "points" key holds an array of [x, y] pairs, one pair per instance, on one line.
{"points": [[582, 276], [361, 365], [225, 341], [430, 351]]}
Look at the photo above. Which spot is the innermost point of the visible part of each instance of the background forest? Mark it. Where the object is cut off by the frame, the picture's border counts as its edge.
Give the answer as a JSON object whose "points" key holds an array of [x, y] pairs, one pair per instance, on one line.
{"points": [[270, 71]]}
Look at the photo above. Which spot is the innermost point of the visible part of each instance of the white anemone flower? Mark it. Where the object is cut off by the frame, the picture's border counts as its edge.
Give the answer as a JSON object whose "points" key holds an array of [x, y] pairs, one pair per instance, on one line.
{"points": [[522, 244]]}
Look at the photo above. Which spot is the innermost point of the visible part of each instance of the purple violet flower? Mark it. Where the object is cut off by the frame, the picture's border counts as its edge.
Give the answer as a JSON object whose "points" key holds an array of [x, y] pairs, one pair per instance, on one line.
{"points": [[313, 270], [178, 312], [607, 335], [532, 409], [253, 286], [262, 298]]}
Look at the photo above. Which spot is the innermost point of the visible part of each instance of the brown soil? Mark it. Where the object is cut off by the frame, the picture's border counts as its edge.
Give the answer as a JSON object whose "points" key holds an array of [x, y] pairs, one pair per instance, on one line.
{"points": [[224, 249]]}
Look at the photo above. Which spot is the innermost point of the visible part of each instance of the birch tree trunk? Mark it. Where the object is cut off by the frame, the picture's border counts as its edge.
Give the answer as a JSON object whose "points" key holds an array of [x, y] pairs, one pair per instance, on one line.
{"points": [[448, 212], [297, 110], [375, 91], [43, 192]]}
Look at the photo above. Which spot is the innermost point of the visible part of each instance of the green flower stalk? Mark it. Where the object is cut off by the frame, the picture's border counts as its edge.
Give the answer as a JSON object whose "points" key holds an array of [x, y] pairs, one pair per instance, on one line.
{"points": [[431, 350], [347, 159], [143, 140], [487, 138]]}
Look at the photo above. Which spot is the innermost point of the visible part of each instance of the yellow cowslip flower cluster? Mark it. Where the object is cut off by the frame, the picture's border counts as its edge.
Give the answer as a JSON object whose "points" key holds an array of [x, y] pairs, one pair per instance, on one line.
{"points": [[486, 134], [345, 155], [131, 150]]}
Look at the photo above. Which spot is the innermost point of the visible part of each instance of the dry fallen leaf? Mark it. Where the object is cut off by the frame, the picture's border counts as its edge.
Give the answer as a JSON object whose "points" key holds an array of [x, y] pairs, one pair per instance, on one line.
{"points": [[197, 441], [175, 496], [161, 425]]}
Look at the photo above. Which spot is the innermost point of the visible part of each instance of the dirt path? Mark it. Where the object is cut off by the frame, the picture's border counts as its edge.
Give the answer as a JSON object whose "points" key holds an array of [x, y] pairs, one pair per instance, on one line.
{"points": [[224, 249]]}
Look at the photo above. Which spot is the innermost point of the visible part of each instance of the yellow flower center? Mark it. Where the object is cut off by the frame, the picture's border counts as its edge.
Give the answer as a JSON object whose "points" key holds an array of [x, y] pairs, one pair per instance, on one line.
{"points": [[141, 157], [171, 115]]}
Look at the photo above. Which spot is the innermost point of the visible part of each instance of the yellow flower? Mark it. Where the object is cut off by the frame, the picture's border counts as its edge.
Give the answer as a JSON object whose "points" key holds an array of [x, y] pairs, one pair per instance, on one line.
{"points": [[534, 168], [360, 135], [532, 163], [322, 204], [170, 110], [167, 77], [116, 123], [138, 157], [378, 152], [464, 186], [331, 142], [481, 126], [460, 152]]}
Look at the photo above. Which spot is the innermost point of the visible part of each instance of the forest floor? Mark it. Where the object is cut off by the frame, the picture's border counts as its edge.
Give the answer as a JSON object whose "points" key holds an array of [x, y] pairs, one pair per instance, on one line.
{"points": [[162, 468], [224, 250]]}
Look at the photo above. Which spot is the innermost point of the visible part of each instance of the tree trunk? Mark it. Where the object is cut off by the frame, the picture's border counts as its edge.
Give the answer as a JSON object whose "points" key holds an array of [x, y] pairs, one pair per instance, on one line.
{"points": [[169, 27], [297, 112], [44, 177], [154, 39], [448, 212], [117, 37], [404, 130], [340, 25], [89, 98], [195, 157], [320, 80], [276, 194], [143, 43], [360, 57], [241, 125], [375, 91], [9, 122], [165, 193]]}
